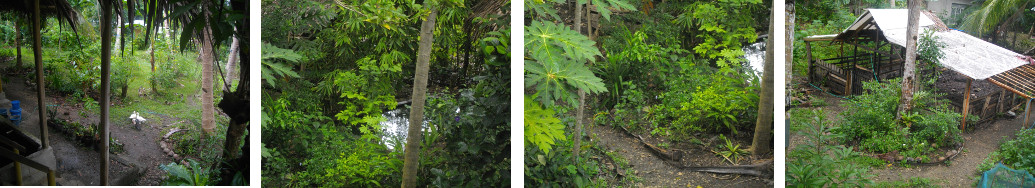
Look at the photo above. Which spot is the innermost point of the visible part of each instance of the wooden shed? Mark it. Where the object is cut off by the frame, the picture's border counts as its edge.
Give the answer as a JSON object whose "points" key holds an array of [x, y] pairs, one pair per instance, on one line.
{"points": [[872, 48]]}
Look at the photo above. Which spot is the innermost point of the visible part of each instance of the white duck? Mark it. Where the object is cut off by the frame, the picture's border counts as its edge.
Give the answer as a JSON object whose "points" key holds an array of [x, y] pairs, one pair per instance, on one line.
{"points": [[136, 118]]}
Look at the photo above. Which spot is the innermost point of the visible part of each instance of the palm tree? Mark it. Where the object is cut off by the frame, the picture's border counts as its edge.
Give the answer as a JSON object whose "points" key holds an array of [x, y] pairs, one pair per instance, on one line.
{"points": [[994, 15], [210, 22], [763, 138], [420, 89]]}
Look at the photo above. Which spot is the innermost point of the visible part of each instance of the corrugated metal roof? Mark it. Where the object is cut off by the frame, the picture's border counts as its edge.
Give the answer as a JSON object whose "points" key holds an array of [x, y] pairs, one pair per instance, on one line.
{"points": [[975, 57], [966, 54]]}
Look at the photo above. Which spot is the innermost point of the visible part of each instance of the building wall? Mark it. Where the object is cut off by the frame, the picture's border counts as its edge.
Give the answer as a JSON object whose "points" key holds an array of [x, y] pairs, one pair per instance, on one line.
{"points": [[944, 7]]}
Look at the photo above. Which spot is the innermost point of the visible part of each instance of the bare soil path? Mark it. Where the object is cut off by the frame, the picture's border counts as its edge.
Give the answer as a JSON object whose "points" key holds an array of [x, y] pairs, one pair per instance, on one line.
{"points": [[79, 165], [654, 172]]}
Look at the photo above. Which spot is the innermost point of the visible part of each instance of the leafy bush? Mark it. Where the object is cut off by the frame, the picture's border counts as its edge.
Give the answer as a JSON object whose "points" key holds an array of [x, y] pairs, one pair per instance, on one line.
{"points": [[191, 175], [559, 169], [818, 163], [723, 105], [542, 129], [1018, 153], [360, 165], [868, 119]]}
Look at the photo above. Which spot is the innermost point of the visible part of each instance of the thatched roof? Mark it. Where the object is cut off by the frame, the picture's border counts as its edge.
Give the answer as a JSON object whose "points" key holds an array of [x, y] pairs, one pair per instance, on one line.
{"points": [[59, 9]]}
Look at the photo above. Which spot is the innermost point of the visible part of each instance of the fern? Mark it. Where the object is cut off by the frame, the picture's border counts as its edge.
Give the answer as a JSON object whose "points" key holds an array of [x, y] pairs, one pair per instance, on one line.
{"points": [[604, 6], [272, 69]]}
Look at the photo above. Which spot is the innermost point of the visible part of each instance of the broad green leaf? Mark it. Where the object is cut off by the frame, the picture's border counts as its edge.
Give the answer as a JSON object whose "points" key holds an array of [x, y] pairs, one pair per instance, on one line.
{"points": [[541, 127]]}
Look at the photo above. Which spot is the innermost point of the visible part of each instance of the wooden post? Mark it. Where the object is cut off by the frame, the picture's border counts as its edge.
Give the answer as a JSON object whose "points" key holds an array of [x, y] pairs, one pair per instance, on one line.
{"points": [[17, 171], [105, 85], [38, 56], [1027, 114], [808, 57], [966, 105]]}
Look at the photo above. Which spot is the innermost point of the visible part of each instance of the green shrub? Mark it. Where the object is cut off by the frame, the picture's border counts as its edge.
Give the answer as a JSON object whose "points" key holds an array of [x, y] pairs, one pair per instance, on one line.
{"points": [[817, 163], [180, 175], [723, 105], [361, 165], [1018, 153], [560, 169], [868, 119]]}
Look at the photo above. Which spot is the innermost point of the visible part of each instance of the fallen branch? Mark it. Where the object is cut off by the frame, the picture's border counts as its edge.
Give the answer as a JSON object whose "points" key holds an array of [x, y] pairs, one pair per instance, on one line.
{"points": [[753, 169], [673, 157]]}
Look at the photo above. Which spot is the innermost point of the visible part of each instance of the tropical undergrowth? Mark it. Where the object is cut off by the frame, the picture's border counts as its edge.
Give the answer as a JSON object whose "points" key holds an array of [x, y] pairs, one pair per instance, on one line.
{"points": [[333, 70], [642, 70], [1017, 153]]}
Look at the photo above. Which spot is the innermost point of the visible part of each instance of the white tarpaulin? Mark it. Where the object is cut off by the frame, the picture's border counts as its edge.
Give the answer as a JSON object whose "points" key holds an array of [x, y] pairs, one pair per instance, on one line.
{"points": [[975, 57], [965, 54]]}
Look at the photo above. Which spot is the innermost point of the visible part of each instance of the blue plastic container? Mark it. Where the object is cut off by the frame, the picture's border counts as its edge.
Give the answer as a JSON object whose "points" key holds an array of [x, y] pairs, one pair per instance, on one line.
{"points": [[16, 112]]}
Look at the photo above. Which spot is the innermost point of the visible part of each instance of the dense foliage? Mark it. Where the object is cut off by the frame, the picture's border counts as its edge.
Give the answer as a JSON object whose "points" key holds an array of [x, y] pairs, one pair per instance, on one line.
{"points": [[819, 163], [333, 70], [1017, 153], [158, 77], [868, 120], [673, 80]]}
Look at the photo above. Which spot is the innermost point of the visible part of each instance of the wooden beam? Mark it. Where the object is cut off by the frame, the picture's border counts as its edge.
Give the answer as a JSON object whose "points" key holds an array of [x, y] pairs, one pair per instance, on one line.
{"points": [[9, 142], [1009, 88], [867, 48], [966, 105], [21, 159]]}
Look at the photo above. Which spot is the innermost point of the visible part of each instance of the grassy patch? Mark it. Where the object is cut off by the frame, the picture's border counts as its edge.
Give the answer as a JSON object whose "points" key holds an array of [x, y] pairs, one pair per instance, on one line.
{"points": [[867, 161], [911, 183]]}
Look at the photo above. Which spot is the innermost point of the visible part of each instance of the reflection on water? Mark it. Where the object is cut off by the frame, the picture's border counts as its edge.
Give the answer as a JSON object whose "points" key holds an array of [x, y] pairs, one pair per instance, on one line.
{"points": [[395, 127], [755, 54]]}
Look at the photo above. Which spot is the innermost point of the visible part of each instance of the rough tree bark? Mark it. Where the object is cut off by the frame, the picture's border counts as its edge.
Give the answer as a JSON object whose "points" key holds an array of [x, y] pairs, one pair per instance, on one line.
{"points": [[230, 60], [763, 140], [207, 106], [420, 89], [17, 45], [235, 105], [909, 69], [788, 65], [106, 18], [581, 93]]}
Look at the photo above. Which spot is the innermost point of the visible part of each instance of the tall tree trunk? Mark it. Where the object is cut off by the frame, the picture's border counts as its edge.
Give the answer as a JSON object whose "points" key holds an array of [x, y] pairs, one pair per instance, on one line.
{"points": [[106, 19], [207, 108], [789, 65], [118, 32], [763, 139], [17, 45], [909, 69], [420, 89], [154, 83], [581, 93], [235, 104], [231, 58]]}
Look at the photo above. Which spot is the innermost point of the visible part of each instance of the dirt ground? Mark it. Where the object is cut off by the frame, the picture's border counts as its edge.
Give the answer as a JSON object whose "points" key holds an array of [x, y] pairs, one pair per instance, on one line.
{"points": [[78, 165], [654, 172], [960, 172]]}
